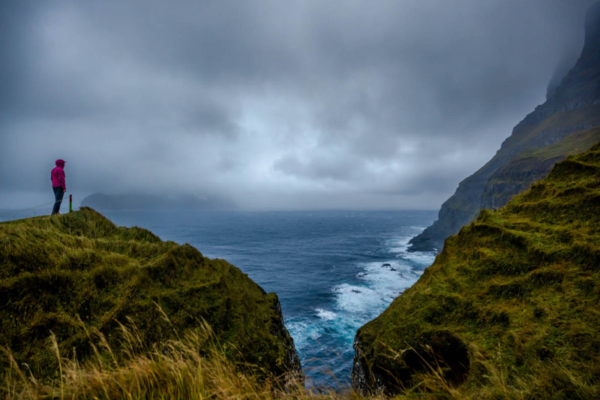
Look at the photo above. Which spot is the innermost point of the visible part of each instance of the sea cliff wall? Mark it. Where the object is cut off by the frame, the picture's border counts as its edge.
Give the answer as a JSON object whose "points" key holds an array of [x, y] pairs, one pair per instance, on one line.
{"points": [[572, 106]]}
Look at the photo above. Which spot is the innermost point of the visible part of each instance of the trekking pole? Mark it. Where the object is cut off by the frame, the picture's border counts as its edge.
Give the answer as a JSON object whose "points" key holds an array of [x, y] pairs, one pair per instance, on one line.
{"points": [[70, 203]]}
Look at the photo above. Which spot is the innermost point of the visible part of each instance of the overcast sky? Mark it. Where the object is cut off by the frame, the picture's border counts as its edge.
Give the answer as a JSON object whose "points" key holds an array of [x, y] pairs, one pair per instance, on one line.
{"points": [[275, 104]]}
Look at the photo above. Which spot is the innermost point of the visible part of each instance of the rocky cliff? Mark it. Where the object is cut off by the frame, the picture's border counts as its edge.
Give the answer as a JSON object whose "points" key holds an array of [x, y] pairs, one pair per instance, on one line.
{"points": [[509, 309], [572, 106], [79, 277]]}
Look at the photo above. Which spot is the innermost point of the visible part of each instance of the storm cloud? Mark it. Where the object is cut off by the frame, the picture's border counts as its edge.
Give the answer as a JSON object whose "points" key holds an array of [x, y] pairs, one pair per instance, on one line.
{"points": [[273, 104]]}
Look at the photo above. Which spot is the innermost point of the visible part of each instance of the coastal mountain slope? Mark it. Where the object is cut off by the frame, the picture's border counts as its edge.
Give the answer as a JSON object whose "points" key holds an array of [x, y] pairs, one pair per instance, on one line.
{"points": [[532, 165], [509, 309], [572, 106], [77, 276]]}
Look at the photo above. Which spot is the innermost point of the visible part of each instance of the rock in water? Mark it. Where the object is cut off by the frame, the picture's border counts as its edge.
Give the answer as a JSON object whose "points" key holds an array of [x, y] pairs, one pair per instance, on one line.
{"points": [[515, 294], [546, 136], [55, 270]]}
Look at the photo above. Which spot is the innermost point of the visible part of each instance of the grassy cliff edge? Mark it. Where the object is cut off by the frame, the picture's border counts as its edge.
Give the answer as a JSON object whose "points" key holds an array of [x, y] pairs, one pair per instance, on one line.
{"points": [[81, 279], [510, 306]]}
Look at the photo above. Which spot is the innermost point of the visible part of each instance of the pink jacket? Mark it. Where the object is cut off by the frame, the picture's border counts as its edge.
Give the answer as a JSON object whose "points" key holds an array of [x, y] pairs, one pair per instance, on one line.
{"points": [[58, 175]]}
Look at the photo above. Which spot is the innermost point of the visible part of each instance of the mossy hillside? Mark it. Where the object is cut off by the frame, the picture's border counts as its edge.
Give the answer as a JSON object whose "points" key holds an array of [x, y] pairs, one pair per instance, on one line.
{"points": [[58, 274], [516, 291], [576, 143], [562, 120], [532, 165]]}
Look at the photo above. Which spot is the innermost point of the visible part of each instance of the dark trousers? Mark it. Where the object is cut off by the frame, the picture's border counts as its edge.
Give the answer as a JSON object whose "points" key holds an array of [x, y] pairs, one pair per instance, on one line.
{"points": [[58, 195]]}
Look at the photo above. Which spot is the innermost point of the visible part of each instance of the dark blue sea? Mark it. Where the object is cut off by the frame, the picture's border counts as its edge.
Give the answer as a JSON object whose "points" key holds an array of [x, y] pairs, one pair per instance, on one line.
{"points": [[327, 267]]}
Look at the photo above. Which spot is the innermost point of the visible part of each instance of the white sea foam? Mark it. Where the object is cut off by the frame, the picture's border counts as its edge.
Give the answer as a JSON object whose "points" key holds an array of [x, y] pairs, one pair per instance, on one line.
{"points": [[353, 298], [399, 245], [381, 285], [420, 257], [326, 315], [303, 332]]}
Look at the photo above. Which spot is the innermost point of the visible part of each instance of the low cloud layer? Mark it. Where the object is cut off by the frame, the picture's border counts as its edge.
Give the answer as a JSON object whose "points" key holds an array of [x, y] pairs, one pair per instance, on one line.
{"points": [[276, 105]]}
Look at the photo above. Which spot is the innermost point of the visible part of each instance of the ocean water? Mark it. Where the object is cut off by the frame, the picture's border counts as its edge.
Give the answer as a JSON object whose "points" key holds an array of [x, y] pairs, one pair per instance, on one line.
{"points": [[327, 267], [332, 270]]}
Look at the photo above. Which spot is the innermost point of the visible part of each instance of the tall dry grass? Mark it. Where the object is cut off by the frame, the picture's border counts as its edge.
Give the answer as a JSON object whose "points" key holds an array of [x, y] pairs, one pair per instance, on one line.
{"points": [[179, 369], [185, 369]]}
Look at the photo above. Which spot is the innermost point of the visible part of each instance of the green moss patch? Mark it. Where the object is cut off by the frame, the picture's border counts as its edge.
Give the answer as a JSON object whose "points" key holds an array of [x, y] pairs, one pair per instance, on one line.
{"points": [[59, 274]]}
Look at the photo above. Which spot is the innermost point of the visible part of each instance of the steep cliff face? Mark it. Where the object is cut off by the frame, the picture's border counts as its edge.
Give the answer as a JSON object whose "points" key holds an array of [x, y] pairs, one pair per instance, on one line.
{"points": [[509, 307], [572, 106], [78, 276]]}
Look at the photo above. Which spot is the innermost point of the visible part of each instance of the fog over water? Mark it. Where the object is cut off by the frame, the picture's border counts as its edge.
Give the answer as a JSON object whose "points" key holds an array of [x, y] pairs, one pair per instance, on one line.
{"points": [[274, 105]]}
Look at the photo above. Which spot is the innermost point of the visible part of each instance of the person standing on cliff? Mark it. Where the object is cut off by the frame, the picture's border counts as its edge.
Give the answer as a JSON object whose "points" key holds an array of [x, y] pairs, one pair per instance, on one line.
{"points": [[58, 184]]}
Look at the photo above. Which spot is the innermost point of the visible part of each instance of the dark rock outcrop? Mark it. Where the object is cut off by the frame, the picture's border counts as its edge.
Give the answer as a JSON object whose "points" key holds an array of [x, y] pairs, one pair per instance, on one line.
{"points": [[572, 106]]}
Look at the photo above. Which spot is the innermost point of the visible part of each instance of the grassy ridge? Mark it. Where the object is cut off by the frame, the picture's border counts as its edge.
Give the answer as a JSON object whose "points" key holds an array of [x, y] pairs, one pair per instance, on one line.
{"points": [[574, 144], [589, 115], [510, 306], [78, 277], [533, 165]]}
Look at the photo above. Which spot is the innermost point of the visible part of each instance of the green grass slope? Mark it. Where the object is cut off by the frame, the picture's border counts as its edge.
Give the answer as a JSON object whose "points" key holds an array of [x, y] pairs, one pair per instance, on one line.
{"points": [[575, 143], [79, 277], [532, 165], [511, 306]]}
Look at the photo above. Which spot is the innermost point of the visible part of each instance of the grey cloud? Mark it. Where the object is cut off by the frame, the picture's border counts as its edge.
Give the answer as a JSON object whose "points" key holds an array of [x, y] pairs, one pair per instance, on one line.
{"points": [[349, 102]]}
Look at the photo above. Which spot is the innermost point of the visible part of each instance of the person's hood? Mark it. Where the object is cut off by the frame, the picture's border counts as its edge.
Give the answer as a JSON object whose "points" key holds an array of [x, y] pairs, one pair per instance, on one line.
{"points": [[60, 163]]}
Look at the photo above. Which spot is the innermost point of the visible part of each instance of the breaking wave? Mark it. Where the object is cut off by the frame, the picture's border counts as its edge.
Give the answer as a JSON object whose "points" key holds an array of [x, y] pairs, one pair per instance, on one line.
{"points": [[375, 285]]}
